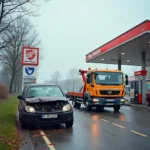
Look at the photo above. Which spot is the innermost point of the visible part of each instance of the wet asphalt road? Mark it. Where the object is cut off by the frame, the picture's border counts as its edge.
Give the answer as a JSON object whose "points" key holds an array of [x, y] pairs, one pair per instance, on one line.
{"points": [[128, 129]]}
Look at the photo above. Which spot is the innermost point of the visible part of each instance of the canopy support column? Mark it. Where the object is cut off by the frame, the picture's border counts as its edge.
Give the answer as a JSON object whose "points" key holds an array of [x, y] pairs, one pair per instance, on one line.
{"points": [[143, 55], [119, 64]]}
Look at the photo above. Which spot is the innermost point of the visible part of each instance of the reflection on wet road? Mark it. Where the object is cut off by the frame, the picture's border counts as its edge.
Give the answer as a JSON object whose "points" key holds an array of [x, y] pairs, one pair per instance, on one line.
{"points": [[128, 129]]}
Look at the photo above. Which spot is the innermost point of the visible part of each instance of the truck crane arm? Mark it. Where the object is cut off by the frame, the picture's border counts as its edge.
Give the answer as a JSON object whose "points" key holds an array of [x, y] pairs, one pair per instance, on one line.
{"points": [[83, 72]]}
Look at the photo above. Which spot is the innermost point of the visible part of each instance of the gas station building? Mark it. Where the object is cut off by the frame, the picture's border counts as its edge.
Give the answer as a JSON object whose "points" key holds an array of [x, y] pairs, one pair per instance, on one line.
{"points": [[130, 48]]}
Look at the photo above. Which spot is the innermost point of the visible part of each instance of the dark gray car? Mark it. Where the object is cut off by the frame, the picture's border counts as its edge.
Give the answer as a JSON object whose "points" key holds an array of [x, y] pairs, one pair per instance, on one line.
{"points": [[44, 104]]}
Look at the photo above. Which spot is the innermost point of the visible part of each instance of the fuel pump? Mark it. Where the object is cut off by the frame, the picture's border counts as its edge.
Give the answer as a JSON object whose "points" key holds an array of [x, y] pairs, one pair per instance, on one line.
{"points": [[137, 87], [136, 92]]}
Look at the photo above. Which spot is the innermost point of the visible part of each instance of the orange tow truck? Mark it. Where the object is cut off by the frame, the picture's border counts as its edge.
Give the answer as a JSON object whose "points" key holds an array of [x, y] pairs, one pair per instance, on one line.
{"points": [[102, 88]]}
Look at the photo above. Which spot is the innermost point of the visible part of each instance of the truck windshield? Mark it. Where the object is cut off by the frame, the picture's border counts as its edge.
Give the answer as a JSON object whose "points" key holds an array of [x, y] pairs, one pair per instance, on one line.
{"points": [[109, 78]]}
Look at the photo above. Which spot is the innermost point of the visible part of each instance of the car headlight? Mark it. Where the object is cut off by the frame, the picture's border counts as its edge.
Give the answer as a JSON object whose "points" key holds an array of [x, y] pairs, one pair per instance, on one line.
{"points": [[29, 109], [67, 108]]}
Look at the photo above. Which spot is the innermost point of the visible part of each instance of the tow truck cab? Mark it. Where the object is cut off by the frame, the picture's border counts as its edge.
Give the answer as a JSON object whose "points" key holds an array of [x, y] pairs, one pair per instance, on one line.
{"points": [[102, 88]]}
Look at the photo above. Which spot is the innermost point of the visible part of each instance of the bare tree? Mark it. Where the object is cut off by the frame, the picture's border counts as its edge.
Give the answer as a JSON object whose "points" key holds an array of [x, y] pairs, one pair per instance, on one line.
{"points": [[11, 10], [73, 75], [56, 76], [5, 75], [20, 33]]}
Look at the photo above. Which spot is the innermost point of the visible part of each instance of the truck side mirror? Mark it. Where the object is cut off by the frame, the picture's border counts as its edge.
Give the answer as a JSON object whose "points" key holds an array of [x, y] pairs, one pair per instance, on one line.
{"points": [[126, 80], [88, 80], [88, 75]]}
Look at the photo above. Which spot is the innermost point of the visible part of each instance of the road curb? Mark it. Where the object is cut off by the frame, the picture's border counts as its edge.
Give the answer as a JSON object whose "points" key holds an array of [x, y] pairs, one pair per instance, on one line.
{"points": [[127, 104], [26, 143], [136, 106]]}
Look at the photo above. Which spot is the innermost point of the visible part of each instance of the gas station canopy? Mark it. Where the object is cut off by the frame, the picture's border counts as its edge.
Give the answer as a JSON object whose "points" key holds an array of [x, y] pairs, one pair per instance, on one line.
{"points": [[126, 48]]}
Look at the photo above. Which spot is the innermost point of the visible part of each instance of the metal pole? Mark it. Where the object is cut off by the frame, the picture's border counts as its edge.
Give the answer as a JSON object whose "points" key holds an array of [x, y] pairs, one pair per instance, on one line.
{"points": [[119, 64], [143, 57], [22, 84]]}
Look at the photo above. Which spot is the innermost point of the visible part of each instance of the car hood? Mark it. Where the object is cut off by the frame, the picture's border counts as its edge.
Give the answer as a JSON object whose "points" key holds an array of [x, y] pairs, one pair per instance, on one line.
{"points": [[45, 99]]}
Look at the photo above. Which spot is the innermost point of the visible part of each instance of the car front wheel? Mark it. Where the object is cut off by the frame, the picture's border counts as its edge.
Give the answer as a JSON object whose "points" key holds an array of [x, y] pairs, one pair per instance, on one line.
{"points": [[23, 125], [69, 124]]}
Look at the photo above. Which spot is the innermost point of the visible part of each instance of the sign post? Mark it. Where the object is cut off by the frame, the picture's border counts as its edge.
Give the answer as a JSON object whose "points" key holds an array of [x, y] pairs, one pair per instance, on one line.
{"points": [[30, 61]]}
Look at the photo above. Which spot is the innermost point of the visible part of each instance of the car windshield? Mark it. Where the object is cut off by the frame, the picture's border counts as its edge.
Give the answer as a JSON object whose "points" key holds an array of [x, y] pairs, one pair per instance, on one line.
{"points": [[44, 91], [109, 78]]}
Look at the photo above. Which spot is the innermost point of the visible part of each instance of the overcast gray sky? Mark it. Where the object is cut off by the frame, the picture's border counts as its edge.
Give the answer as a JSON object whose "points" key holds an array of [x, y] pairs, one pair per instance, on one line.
{"points": [[70, 29]]}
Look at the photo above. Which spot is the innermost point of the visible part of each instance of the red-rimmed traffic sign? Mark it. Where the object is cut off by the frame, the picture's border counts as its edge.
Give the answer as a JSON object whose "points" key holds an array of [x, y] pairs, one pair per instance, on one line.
{"points": [[30, 56]]}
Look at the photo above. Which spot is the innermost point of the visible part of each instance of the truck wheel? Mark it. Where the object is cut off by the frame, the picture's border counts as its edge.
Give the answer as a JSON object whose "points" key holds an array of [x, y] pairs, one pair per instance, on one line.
{"points": [[78, 105], [75, 104], [116, 108], [99, 108], [88, 107]]}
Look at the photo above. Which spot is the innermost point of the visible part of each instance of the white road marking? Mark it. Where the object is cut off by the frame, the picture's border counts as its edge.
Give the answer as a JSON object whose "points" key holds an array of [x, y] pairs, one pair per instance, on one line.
{"points": [[118, 125], [138, 133], [105, 120], [47, 141]]}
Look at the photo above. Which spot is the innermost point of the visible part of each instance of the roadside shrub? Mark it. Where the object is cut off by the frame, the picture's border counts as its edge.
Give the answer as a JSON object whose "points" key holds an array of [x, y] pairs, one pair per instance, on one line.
{"points": [[3, 91]]}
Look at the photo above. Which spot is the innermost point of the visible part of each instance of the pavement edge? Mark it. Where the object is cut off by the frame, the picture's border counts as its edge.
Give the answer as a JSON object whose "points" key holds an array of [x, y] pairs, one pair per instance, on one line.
{"points": [[143, 107], [26, 143]]}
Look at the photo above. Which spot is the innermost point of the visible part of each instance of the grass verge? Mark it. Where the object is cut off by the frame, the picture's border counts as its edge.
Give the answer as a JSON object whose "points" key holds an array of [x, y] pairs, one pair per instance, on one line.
{"points": [[9, 135]]}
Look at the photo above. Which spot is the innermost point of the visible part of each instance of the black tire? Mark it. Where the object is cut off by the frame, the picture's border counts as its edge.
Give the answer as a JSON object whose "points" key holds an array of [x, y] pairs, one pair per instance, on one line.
{"points": [[148, 103], [23, 125], [99, 108], [19, 117], [75, 104], [69, 124], [78, 105], [88, 107], [116, 108]]}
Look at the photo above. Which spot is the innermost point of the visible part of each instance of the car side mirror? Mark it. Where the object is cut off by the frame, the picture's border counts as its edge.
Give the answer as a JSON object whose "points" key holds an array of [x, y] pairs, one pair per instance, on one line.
{"points": [[20, 97], [67, 95]]}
